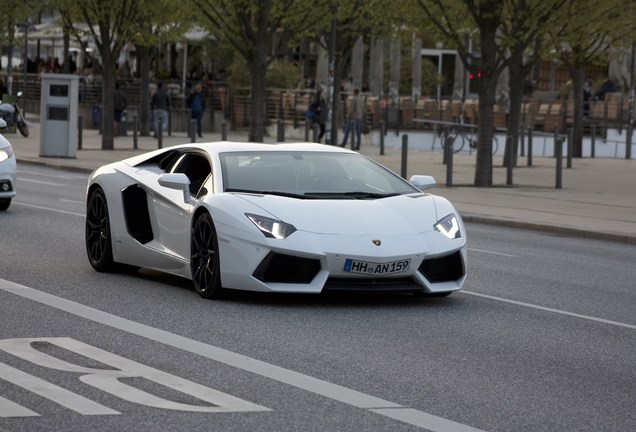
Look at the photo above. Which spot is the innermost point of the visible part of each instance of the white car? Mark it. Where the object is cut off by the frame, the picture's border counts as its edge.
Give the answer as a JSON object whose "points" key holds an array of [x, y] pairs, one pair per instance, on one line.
{"points": [[292, 218], [8, 169]]}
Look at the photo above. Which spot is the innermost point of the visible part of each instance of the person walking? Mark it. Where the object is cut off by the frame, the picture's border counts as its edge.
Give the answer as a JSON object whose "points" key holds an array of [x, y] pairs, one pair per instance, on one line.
{"points": [[196, 104], [319, 109], [160, 105], [120, 104], [354, 119]]}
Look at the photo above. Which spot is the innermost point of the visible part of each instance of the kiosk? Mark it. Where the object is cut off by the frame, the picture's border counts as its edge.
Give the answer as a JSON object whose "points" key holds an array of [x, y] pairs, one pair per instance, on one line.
{"points": [[58, 115]]}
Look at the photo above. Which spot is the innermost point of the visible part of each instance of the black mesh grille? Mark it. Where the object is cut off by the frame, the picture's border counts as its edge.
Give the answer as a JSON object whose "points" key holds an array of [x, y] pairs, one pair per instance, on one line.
{"points": [[448, 268], [405, 284], [280, 268]]}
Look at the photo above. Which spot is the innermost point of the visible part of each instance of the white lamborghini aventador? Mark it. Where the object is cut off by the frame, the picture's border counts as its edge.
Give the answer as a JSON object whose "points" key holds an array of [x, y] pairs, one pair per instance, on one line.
{"points": [[294, 218]]}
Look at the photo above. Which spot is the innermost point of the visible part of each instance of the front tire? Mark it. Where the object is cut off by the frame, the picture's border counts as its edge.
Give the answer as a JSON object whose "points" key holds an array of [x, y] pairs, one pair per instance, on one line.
{"points": [[204, 258], [23, 127], [5, 203], [97, 233]]}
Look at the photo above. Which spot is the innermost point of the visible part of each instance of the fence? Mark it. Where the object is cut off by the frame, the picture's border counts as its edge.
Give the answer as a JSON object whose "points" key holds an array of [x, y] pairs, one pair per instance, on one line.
{"points": [[290, 106]]}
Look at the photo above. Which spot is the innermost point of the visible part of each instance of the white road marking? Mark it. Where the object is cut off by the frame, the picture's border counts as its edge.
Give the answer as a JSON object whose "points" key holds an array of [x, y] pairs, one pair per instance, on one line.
{"points": [[108, 380], [277, 373], [493, 253], [547, 309], [47, 183], [11, 409], [52, 392], [71, 201], [49, 209], [59, 176]]}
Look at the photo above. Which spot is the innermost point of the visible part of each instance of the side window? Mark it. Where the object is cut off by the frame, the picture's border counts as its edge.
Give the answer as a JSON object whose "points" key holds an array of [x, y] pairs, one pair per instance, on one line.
{"points": [[197, 168]]}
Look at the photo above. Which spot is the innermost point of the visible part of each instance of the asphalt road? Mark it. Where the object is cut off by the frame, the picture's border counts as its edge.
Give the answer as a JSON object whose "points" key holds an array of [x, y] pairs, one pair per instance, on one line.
{"points": [[543, 338]]}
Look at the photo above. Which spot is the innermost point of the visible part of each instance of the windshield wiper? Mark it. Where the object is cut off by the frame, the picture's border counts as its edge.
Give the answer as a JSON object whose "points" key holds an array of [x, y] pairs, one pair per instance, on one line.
{"points": [[356, 195], [277, 193]]}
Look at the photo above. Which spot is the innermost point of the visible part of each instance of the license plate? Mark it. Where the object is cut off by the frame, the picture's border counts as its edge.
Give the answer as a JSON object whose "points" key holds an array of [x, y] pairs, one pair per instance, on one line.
{"points": [[371, 268]]}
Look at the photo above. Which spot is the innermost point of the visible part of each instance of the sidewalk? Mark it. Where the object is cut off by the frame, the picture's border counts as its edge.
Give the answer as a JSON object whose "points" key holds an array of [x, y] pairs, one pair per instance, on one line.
{"points": [[598, 198]]}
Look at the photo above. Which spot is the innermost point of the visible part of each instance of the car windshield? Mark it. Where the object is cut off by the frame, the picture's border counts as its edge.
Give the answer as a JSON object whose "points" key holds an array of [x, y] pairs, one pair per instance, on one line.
{"points": [[310, 175]]}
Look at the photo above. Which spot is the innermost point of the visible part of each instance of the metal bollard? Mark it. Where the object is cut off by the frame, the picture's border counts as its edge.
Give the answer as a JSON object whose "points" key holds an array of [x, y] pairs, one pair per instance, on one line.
{"points": [[80, 131], [280, 137], [382, 133], [160, 133], [193, 130], [570, 149], [405, 154], [307, 127], [224, 131], [593, 149], [510, 161], [169, 123], [316, 133], [530, 147], [135, 133], [448, 158], [558, 153]]}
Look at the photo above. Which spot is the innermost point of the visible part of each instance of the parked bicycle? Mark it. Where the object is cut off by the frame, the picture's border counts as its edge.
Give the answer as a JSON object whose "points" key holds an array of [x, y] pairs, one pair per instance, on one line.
{"points": [[462, 134]]}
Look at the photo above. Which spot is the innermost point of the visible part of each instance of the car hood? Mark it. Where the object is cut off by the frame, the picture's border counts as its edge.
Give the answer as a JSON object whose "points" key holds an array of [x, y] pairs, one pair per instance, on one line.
{"points": [[4, 143], [399, 215]]}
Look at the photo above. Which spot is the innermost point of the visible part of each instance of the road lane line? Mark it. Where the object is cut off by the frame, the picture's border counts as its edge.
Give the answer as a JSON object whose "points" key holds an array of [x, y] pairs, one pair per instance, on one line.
{"points": [[58, 176], [305, 382], [547, 309], [11, 409], [49, 209], [493, 253], [47, 183], [54, 393]]}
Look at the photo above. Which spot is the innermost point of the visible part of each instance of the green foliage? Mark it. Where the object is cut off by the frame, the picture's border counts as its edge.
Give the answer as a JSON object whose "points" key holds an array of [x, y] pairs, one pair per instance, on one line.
{"points": [[283, 74]]}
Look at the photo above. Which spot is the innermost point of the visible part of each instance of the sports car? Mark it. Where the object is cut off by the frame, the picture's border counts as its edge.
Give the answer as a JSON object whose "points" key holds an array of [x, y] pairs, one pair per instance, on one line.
{"points": [[292, 218], [7, 171]]}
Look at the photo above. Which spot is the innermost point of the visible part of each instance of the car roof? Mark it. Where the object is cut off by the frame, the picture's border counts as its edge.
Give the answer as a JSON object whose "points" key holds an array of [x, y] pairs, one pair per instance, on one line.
{"points": [[214, 148]]}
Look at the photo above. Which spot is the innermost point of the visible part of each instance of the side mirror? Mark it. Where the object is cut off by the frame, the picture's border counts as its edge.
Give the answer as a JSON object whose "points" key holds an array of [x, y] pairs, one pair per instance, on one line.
{"points": [[177, 181], [423, 182], [3, 124]]}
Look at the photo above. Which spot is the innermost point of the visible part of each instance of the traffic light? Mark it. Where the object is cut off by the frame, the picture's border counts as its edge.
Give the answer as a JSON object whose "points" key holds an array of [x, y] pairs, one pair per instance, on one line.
{"points": [[474, 79]]}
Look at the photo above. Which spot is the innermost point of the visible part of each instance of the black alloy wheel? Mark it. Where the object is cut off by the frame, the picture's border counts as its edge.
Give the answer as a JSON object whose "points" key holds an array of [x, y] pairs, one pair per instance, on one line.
{"points": [[204, 258], [98, 241]]}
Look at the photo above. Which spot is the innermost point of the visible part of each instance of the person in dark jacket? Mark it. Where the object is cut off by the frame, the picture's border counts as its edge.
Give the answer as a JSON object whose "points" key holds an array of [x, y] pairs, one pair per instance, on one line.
{"points": [[160, 105], [196, 104], [319, 109]]}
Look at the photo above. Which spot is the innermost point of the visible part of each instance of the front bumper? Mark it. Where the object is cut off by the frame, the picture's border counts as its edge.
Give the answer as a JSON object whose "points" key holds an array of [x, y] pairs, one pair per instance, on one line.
{"points": [[311, 263], [8, 170]]}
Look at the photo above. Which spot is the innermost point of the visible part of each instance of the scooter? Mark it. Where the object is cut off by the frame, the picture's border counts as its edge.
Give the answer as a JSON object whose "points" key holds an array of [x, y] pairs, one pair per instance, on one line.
{"points": [[12, 114]]}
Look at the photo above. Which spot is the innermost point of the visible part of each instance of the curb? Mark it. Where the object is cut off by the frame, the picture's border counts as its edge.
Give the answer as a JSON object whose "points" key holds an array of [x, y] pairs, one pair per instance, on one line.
{"points": [[549, 229]]}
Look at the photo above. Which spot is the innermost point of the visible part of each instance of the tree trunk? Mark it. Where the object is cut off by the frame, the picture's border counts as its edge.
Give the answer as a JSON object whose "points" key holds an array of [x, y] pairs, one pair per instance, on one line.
{"points": [[259, 95], [144, 103], [518, 71], [108, 102], [577, 73]]}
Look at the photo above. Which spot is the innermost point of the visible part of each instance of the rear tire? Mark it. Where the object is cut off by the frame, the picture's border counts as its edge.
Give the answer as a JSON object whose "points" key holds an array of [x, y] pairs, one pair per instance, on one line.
{"points": [[23, 127], [4, 203], [97, 233], [205, 264]]}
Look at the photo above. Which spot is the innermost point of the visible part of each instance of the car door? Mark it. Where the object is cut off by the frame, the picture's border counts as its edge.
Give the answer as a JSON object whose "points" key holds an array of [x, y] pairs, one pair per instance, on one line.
{"points": [[171, 213]]}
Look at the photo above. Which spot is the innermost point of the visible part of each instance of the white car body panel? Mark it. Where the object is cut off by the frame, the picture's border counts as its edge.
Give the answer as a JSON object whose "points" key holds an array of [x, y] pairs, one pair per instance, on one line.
{"points": [[327, 230], [8, 169]]}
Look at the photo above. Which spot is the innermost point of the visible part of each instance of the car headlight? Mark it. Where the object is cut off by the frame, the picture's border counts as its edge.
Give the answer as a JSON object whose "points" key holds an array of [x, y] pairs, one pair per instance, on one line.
{"points": [[449, 226], [271, 227], [5, 153]]}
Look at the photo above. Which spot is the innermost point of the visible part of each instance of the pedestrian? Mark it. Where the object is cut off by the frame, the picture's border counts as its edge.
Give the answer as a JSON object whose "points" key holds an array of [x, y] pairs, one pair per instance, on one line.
{"points": [[354, 119], [120, 104], [587, 97], [607, 87], [160, 105], [196, 104], [318, 108]]}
